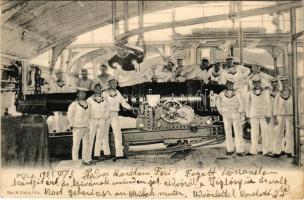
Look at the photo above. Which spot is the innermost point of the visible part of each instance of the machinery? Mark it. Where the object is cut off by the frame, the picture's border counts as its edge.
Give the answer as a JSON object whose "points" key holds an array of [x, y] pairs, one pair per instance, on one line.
{"points": [[168, 117]]}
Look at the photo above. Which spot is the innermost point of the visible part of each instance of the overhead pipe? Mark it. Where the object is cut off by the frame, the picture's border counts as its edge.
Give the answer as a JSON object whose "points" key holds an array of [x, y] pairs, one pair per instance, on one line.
{"points": [[126, 15], [114, 25], [201, 20]]}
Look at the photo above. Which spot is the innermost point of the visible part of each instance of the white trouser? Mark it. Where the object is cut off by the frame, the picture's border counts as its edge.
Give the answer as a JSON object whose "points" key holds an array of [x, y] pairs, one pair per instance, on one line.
{"points": [[114, 121], [58, 121], [78, 135], [233, 119], [272, 132], [285, 122], [256, 124], [97, 127]]}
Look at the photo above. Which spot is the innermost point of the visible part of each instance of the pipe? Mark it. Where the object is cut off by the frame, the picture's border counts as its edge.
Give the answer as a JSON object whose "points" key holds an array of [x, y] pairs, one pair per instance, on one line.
{"points": [[201, 20], [241, 43], [114, 27], [297, 150], [126, 15]]}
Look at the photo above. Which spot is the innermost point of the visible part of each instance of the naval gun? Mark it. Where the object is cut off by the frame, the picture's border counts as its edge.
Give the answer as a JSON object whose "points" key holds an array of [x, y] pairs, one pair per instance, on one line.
{"points": [[171, 116]]}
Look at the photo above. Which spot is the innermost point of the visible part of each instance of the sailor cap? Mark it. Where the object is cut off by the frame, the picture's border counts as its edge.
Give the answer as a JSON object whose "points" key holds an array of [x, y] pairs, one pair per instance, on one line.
{"points": [[230, 80], [234, 59], [82, 89], [274, 79], [284, 78]]}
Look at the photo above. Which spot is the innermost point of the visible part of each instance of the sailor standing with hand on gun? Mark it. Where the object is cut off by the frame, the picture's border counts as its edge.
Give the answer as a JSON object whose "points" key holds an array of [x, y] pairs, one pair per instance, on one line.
{"points": [[115, 99]]}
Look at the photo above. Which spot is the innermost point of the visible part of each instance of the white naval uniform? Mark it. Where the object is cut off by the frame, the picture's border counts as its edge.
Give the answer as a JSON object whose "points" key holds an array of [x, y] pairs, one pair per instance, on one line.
{"points": [[98, 113], [103, 81], [265, 80], [230, 106], [162, 74], [113, 104], [78, 117], [272, 129], [283, 111], [258, 107], [239, 79], [215, 76], [55, 88], [198, 74]]}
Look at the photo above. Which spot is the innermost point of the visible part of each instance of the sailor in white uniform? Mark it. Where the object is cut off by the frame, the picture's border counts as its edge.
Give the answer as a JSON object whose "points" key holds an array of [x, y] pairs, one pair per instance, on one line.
{"points": [[98, 112], [283, 118], [238, 73], [272, 129], [114, 99], [258, 111], [78, 116], [59, 86], [215, 73], [230, 105]]}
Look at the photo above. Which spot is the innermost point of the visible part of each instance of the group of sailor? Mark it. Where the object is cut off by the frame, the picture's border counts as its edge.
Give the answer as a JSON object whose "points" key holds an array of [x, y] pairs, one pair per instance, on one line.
{"points": [[250, 95], [263, 103], [91, 118]]}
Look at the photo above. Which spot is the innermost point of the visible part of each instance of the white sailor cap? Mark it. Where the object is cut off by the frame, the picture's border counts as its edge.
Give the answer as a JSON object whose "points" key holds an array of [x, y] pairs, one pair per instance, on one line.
{"points": [[284, 78], [59, 72], [234, 59], [229, 80], [274, 79], [170, 61], [217, 61], [112, 78], [118, 43], [82, 89], [257, 64]]}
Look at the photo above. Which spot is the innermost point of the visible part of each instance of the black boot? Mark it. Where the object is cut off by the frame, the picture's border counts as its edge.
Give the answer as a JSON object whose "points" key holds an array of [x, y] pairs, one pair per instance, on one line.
{"points": [[276, 156], [229, 153], [120, 157], [289, 155], [88, 163]]}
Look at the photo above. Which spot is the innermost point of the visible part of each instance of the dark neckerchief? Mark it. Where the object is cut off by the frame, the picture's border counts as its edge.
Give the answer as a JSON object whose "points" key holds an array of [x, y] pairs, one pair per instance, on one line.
{"points": [[119, 56], [84, 107], [216, 75], [285, 98], [232, 95], [59, 82], [113, 95], [232, 73], [104, 77], [256, 94], [97, 101], [273, 95]]}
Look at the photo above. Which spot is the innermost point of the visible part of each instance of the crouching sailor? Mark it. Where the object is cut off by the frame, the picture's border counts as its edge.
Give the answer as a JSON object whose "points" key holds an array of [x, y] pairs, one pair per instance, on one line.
{"points": [[230, 106], [98, 113], [78, 116], [115, 99]]}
